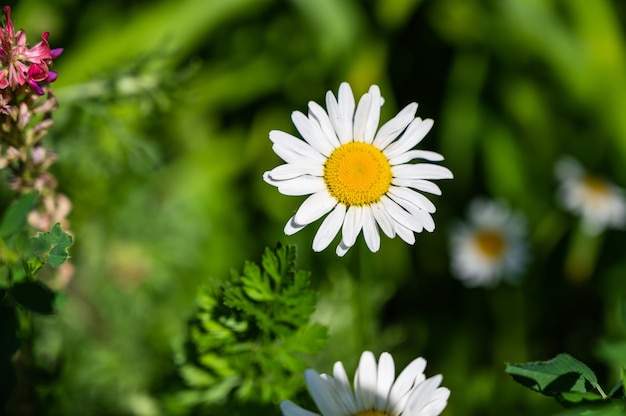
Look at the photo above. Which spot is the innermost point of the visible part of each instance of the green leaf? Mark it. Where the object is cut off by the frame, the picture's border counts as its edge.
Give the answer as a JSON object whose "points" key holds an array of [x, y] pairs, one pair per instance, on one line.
{"points": [[562, 374], [53, 245], [248, 339], [16, 215], [8, 332], [34, 296], [615, 408]]}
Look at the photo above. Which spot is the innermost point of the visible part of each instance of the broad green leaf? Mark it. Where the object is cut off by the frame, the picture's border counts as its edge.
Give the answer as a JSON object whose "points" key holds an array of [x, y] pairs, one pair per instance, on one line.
{"points": [[54, 243], [562, 374], [16, 215], [34, 296]]}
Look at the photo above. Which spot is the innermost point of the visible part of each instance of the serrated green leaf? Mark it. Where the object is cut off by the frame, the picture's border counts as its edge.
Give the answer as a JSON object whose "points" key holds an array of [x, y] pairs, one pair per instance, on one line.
{"points": [[576, 397], [16, 215], [34, 296], [562, 374]]}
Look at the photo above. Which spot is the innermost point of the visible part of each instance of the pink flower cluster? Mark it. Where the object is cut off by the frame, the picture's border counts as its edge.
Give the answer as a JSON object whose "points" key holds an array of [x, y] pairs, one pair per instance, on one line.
{"points": [[20, 64]]}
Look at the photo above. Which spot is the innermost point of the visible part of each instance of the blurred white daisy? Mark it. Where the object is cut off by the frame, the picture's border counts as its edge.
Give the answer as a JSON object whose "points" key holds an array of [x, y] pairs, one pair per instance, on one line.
{"points": [[356, 173], [376, 391], [489, 246], [600, 203]]}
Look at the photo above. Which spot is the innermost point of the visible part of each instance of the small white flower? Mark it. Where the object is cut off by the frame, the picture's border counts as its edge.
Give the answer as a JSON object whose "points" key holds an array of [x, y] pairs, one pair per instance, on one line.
{"points": [[600, 203], [491, 245], [376, 390], [356, 173]]}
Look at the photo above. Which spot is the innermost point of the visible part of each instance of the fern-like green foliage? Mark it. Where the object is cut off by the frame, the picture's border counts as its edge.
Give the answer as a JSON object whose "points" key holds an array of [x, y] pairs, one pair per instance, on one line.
{"points": [[249, 337]]}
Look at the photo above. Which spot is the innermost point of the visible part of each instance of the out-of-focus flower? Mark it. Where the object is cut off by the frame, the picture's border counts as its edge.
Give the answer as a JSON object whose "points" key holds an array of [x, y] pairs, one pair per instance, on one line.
{"points": [[599, 202], [376, 391], [20, 64], [356, 173], [491, 245], [54, 209]]}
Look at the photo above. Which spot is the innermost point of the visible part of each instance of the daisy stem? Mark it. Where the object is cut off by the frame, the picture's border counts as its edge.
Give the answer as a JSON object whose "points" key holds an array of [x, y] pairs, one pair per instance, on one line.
{"points": [[363, 311]]}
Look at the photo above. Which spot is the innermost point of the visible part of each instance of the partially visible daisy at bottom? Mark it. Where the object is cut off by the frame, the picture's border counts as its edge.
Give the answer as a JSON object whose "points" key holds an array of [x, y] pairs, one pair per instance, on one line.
{"points": [[599, 202], [376, 390], [490, 246]]}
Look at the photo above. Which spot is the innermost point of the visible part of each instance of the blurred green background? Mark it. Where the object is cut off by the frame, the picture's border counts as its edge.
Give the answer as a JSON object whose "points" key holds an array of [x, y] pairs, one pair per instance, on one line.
{"points": [[162, 136]]}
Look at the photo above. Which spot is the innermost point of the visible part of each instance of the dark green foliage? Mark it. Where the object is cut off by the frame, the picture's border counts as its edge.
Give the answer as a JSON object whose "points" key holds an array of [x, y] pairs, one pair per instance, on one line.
{"points": [[570, 381], [248, 338]]}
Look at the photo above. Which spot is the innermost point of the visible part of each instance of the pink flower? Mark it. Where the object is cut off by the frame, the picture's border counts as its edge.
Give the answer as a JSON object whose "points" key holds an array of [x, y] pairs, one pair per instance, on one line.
{"points": [[20, 64]]}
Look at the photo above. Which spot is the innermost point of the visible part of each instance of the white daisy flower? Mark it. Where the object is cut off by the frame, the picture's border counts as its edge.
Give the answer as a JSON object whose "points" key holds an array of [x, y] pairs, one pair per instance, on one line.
{"points": [[358, 175], [600, 203], [375, 392], [491, 245]]}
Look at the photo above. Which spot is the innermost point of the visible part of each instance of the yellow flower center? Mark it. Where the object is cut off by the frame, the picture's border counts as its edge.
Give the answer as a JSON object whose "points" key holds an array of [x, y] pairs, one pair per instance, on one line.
{"points": [[596, 188], [490, 243], [371, 413], [357, 174]]}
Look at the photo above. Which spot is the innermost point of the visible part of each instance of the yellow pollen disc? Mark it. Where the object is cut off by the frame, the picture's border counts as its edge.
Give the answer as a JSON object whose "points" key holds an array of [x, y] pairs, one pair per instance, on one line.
{"points": [[490, 243], [371, 413], [596, 188], [357, 174]]}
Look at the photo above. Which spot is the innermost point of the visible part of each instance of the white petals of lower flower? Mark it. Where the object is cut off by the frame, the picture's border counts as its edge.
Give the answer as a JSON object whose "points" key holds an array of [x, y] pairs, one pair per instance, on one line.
{"points": [[375, 389], [360, 176]]}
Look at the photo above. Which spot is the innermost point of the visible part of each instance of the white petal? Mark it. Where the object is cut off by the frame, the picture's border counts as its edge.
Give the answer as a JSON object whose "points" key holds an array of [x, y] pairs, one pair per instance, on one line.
{"points": [[360, 117], [365, 381], [415, 197], [370, 231], [416, 154], [312, 133], [414, 134], [439, 401], [383, 219], [391, 129], [314, 207], [341, 112], [352, 225], [422, 395], [291, 409], [386, 374], [321, 116], [405, 381], [343, 387], [291, 171], [329, 228], [323, 397], [342, 249], [303, 185], [420, 216], [419, 184], [421, 171], [404, 233], [292, 146], [400, 216], [292, 227], [374, 116]]}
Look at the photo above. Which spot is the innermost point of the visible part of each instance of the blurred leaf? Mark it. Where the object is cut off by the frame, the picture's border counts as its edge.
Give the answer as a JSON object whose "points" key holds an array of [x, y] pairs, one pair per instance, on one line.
{"points": [[34, 296], [16, 215], [8, 331], [562, 374], [608, 409]]}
